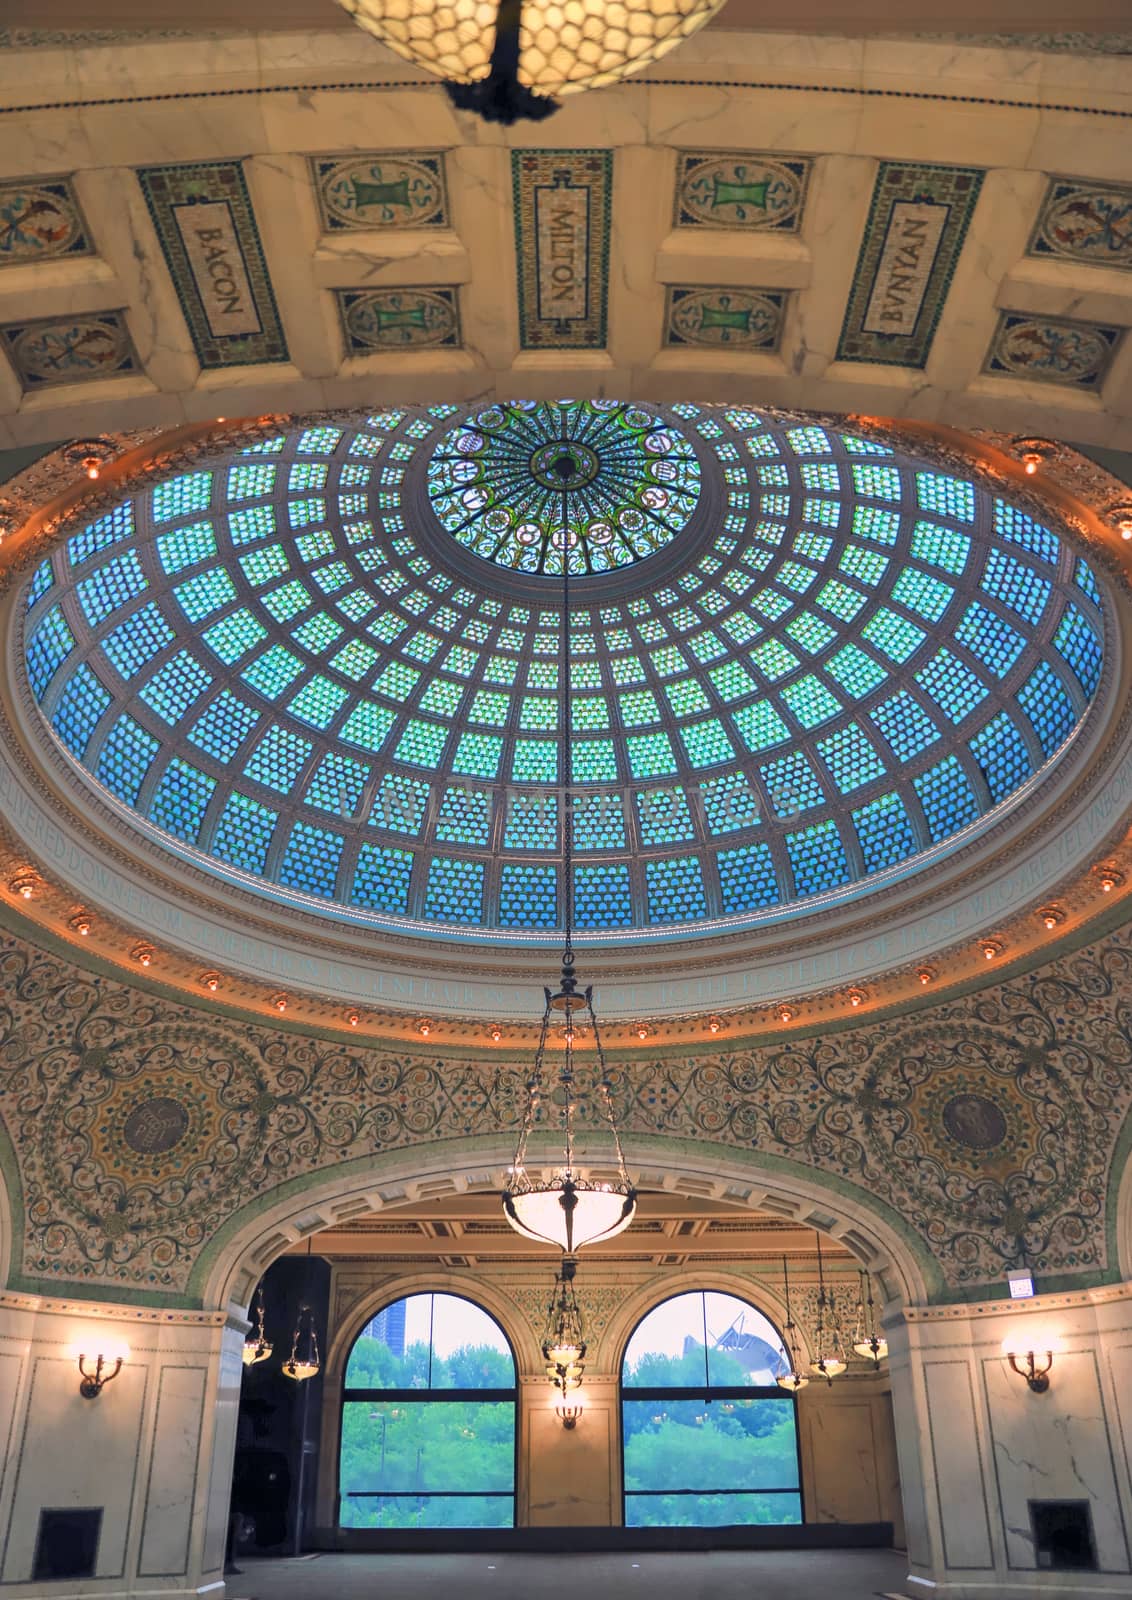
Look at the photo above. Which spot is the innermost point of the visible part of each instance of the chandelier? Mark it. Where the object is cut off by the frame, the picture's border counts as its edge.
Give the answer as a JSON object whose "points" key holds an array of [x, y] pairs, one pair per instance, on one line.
{"points": [[794, 1378], [567, 1210], [257, 1346], [507, 59], [564, 1338], [867, 1341], [829, 1361]]}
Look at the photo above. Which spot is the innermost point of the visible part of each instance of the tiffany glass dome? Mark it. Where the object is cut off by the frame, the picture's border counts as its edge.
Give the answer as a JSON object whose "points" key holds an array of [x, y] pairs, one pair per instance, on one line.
{"points": [[327, 667]]}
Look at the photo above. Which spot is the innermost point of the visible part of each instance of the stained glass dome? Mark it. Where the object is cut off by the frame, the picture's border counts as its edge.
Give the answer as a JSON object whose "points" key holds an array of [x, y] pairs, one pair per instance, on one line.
{"points": [[314, 668]]}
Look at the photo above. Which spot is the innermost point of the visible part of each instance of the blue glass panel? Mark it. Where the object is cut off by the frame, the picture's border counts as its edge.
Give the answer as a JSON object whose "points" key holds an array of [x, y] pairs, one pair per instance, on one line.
{"points": [[337, 784], [381, 878], [938, 546], [1044, 699], [368, 725], [791, 784], [747, 878], [1010, 522], [178, 497], [137, 640], [951, 684], [186, 547], [728, 802], [234, 636], [81, 704], [272, 673], [319, 702], [1002, 756], [127, 754], [760, 726], [599, 820], [851, 759], [601, 895], [706, 744], [464, 816], [175, 686], [421, 743], [528, 895], [946, 497], [399, 804], [477, 755], [532, 821], [244, 832], [1017, 585], [180, 800], [41, 581], [947, 798], [278, 758], [1086, 580], [310, 861], [110, 587], [885, 831], [1079, 646], [116, 525], [223, 726], [47, 649], [991, 639], [663, 816], [455, 890], [817, 859], [905, 724], [675, 888]]}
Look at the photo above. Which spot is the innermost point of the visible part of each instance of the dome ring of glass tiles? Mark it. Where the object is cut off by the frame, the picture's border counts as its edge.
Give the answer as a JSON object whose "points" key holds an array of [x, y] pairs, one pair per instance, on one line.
{"points": [[267, 665]]}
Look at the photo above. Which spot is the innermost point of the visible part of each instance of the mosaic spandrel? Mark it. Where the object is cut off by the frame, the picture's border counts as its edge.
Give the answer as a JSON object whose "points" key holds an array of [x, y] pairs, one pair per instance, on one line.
{"points": [[724, 318], [39, 220], [382, 190], [740, 190], [399, 319], [1052, 350], [69, 349], [1087, 222]]}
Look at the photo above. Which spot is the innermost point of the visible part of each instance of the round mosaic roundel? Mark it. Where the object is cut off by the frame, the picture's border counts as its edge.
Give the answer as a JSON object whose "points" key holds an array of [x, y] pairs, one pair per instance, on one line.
{"points": [[281, 665], [589, 485]]}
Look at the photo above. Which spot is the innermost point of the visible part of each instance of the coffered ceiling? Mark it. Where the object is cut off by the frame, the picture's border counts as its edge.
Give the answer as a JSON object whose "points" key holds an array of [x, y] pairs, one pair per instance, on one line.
{"points": [[292, 220]]}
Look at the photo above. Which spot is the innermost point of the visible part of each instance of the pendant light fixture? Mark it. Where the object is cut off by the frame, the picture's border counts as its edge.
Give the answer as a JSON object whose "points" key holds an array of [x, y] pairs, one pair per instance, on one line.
{"points": [[566, 1210], [867, 1341], [303, 1362], [257, 1346], [795, 1378], [564, 1336], [830, 1360], [507, 59]]}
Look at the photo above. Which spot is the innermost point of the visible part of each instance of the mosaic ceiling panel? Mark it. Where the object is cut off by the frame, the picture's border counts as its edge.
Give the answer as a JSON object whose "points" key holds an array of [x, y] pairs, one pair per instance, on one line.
{"points": [[297, 664], [983, 1131]]}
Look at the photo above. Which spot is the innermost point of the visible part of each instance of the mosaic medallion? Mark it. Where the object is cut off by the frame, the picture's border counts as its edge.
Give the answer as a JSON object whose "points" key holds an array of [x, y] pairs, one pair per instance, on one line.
{"points": [[156, 1125], [1052, 350], [975, 1120], [738, 319], [69, 349], [1088, 222], [741, 191], [398, 319], [40, 219], [382, 190], [526, 483]]}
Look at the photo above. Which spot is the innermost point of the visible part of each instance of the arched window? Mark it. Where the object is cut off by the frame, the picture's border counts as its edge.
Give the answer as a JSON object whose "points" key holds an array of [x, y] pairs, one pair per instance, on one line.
{"points": [[428, 1419], [709, 1439]]}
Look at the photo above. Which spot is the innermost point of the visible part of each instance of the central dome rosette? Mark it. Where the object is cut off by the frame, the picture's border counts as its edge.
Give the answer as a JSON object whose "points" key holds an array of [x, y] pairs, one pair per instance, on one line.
{"points": [[530, 486], [325, 668]]}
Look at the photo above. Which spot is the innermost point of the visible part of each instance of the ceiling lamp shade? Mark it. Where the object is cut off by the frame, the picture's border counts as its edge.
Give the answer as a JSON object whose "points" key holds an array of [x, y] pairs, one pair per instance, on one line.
{"points": [[868, 1342], [564, 1336], [569, 1212], [793, 1378], [507, 59], [257, 1346]]}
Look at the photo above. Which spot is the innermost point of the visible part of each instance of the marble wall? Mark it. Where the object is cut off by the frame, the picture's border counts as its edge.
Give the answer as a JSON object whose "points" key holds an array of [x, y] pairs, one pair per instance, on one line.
{"points": [[152, 1452]]}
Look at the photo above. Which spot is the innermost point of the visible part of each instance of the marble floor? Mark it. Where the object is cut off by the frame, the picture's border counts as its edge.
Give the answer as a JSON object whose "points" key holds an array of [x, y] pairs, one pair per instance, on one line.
{"points": [[715, 1575]]}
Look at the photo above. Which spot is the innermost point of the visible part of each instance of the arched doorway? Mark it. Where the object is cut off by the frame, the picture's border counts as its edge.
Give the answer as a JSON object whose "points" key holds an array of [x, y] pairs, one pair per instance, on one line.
{"points": [[708, 1437]]}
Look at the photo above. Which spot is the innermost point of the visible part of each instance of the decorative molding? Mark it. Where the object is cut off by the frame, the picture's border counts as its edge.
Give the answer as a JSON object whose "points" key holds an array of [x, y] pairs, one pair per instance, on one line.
{"points": [[917, 222], [562, 201], [1052, 350], [207, 230], [740, 190]]}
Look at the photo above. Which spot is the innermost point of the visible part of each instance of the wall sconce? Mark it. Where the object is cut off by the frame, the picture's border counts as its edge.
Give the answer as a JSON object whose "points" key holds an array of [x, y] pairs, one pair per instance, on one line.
{"points": [[1033, 453], [1051, 916], [24, 884], [89, 454], [785, 1013], [1119, 517], [568, 1416], [80, 924], [142, 954], [925, 975], [1108, 878], [1032, 1364], [990, 949], [107, 1365]]}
